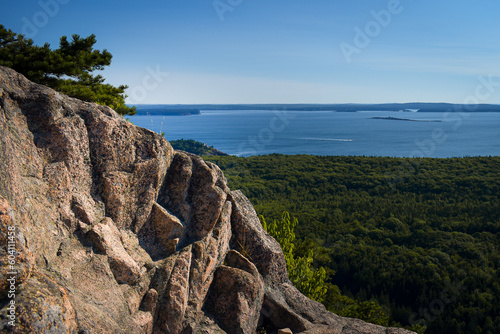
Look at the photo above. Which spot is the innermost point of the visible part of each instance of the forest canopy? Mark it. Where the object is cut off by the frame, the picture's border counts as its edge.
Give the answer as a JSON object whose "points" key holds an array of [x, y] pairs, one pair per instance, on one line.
{"points": [[68, 69], [417, 240]]}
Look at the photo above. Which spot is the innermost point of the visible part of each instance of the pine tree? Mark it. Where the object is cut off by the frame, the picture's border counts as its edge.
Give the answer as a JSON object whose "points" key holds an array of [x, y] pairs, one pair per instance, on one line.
{"points": [[68, 69]]}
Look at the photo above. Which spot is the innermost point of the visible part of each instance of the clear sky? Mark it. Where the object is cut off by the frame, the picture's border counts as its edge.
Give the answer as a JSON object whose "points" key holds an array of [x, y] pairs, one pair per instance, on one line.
{"points": [[282, 51]]}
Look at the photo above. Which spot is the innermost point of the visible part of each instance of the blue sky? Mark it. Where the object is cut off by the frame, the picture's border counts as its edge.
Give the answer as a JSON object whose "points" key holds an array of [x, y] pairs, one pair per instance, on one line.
{"points": [[255, 51]]}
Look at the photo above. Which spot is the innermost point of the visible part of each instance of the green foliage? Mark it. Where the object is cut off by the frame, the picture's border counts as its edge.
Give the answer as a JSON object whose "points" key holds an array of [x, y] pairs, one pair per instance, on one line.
{"points": [[409, 234], [195, 147], [67, 69], [369, 311], [310, 281]]}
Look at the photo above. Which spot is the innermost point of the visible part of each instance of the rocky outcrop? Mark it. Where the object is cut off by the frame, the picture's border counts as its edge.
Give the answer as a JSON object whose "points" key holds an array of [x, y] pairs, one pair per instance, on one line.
{"points": [[115, 232], [236, 294]]}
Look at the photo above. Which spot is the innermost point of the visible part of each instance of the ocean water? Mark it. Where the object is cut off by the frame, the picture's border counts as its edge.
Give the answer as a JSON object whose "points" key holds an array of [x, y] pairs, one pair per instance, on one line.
{"points": [[370, 133]]}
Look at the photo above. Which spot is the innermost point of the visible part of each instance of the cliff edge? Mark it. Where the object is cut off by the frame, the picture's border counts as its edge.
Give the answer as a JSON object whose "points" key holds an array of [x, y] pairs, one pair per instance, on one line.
{"points": [[115, 232]]}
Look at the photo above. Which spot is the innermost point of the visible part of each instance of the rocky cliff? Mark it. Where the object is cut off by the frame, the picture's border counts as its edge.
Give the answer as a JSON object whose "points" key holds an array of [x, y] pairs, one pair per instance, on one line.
{"points": [[115, 232]]}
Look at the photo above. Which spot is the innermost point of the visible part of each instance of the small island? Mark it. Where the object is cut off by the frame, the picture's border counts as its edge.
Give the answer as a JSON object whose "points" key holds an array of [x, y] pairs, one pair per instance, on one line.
{"points": [[405, 119]]}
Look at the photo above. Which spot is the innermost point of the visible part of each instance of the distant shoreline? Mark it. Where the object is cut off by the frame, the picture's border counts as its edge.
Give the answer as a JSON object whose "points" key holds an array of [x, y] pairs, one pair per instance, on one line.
{"points": [[168, 112], [196, 109]]}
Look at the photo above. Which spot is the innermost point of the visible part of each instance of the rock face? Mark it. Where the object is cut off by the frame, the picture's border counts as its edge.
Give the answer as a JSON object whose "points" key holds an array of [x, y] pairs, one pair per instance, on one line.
{"points": [[115, 232]]}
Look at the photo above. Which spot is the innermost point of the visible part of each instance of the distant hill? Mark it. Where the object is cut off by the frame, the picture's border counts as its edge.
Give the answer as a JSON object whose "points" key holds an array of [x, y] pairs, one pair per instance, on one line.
{"points": [[195, 109], [195, 147], [166, 110]]}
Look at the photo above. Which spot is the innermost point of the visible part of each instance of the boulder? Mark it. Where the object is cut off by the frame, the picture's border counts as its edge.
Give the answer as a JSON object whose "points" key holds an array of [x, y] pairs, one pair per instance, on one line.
{"points": [[235, 300], [107, 240], [236, 295]]}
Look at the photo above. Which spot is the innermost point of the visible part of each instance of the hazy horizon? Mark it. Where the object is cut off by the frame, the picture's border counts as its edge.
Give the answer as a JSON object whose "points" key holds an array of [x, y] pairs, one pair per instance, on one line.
{"points": [[299, 103]]}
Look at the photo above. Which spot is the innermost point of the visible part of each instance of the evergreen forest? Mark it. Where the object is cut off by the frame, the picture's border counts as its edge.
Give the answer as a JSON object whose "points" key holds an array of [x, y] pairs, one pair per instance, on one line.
{"points": [[399, 242]]}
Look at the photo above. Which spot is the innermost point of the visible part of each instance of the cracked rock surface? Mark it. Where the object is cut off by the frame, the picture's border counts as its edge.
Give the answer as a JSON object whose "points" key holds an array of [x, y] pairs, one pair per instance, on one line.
{"points": [[115, 232]]}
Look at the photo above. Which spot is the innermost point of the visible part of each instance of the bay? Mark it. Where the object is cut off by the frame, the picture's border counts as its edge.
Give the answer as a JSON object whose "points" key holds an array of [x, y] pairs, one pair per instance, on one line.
{"points": [[370, 133]]}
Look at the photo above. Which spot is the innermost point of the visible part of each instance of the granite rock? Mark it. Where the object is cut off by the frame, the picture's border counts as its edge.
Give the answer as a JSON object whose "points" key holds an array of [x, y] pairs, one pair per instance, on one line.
{"points": [[115, 232]]}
